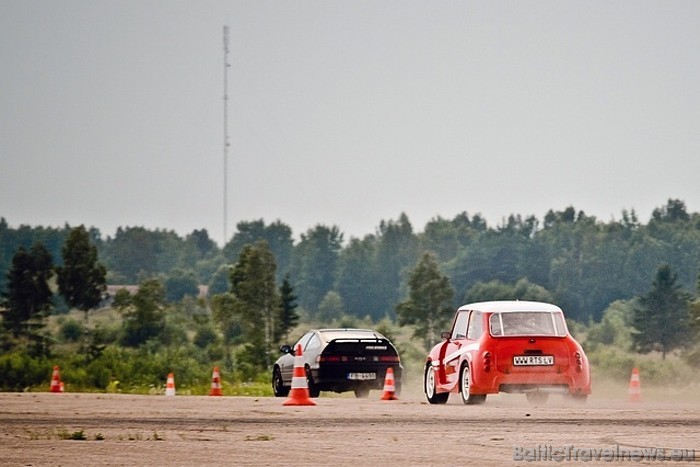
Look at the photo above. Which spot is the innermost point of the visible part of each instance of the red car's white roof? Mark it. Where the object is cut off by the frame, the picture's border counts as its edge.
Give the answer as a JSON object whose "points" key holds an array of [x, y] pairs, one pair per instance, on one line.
{"points": [[505, 306]]}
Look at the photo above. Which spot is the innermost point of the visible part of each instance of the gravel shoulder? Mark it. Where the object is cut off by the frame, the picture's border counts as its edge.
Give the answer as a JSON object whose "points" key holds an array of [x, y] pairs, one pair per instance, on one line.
{"points": [[35, 430]]}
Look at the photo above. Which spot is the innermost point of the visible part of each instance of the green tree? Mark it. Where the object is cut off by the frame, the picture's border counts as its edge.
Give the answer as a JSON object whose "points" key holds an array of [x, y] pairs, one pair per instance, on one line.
{"points": [[25, 236], [331, 307], [144, 312], [200, 244], [29, 298], [661, 319], [136, 253], [497, 290], [180, 283], [131, 252], [288, 316], [397, 253], [253, 287], [615, 328], [315, 263], [81, 279], [695, 310], [199, 253], [674, 211], [357, 278], [441, 237], [446, 237], [71, 330], [219, 283], [277, 235], [226, 313], [693, 356], [429, 306]]}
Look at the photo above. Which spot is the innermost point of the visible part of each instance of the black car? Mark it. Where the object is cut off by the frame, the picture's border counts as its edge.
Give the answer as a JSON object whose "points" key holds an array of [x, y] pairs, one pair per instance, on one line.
{"points": [[339, 360]]}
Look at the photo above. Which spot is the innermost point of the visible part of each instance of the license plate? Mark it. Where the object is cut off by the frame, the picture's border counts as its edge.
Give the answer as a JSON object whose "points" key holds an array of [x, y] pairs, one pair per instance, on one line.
{"points": [[362, 376], [533, 360]]}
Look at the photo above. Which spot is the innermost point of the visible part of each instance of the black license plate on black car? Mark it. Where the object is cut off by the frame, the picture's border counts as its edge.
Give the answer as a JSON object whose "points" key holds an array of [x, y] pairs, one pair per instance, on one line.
{"points": [[362, 376]]}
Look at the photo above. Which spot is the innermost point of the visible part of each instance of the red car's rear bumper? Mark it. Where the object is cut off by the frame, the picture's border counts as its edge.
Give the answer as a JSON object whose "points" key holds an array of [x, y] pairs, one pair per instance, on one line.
{"points": [[494, 381]]}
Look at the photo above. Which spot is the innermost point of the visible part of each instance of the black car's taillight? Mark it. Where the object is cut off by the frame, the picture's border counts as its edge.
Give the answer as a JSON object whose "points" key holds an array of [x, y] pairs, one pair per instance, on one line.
{"points": [[331, 359], [389, 358]]}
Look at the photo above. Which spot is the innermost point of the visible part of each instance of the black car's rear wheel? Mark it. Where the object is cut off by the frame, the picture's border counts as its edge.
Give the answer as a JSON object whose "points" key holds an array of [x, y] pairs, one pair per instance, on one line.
{"points": [[278, 386], [465, 388], [314, 390], [361, 393], [429, 386]]}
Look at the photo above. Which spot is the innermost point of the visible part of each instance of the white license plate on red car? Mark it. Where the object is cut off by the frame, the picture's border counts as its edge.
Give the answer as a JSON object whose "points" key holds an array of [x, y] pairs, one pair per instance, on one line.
{"points": [[362, 376], [533, 360]]}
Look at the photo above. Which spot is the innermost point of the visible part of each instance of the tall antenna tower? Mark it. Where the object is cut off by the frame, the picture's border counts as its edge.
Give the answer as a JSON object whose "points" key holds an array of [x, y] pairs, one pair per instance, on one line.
{"points": [[226, 143]]}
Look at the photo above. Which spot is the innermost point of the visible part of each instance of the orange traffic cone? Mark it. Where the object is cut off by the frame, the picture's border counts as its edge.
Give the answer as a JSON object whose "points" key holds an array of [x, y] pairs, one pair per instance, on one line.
{"points": [[299, 395], [215, 383], [170, 385], [635, 390], [56, 380], [389, 388]]}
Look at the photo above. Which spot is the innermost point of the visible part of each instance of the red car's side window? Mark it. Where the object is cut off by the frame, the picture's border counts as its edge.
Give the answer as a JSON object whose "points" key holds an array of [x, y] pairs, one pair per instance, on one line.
{"points": [[459, 330], [496, 325], [476, 326]]}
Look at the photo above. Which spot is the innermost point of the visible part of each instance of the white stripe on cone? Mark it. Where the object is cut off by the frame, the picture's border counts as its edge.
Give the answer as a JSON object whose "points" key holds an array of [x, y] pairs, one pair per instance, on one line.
{"points": [[389, 389], [299, 382], [170, 385]]}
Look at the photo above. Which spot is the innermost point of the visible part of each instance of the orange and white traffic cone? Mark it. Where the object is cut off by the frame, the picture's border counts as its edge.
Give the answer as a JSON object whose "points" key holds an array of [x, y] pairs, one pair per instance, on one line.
{"points": [[170, 385], [215, 383], [635, 390], [56, 380], [299, 395], [389, 387]]}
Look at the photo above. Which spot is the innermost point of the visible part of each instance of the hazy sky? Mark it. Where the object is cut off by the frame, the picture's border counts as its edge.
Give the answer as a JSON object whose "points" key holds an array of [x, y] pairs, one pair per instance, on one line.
{"points": [[345, 112]]}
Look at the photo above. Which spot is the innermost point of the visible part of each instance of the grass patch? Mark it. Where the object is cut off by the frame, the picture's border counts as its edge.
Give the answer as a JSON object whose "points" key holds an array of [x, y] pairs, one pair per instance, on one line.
{"points": [[75, 436], [259, 438]]}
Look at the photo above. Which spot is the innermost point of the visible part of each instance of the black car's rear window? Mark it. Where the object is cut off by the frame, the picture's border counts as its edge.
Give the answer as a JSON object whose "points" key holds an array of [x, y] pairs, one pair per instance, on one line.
{"points": [[354, 334], [357, 342], [367, 347]]}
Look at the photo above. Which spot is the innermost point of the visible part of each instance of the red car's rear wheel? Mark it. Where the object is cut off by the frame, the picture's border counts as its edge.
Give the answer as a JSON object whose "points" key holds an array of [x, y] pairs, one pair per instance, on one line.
{"points": [[465, 388], [429, 386]]}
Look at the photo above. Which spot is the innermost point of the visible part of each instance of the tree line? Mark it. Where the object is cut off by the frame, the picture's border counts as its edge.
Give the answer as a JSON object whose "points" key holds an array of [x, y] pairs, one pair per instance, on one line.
{"points": [[260, 278], [584, 263]]}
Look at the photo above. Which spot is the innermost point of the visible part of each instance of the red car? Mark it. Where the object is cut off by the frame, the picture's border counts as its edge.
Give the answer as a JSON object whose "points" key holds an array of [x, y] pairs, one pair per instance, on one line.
{"points": [[507, 346]]}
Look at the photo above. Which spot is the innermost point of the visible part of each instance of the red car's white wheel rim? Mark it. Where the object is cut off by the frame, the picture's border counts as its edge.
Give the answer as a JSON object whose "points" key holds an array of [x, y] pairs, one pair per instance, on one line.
{"points": [[430, 382], [465, 382]]}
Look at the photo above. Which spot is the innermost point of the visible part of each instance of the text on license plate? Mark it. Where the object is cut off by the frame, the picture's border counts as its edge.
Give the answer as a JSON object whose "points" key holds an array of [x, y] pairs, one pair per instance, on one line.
{"points": [[362, 376], [530, 360]]}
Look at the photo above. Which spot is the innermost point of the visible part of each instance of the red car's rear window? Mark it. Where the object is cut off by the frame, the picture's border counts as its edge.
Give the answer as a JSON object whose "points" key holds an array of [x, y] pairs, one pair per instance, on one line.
{"points": [[527, 323]]}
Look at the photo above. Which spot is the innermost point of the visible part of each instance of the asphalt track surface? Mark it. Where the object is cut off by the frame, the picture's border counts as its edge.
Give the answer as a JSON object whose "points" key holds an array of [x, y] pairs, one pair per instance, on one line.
{"points": [[36, 430]]}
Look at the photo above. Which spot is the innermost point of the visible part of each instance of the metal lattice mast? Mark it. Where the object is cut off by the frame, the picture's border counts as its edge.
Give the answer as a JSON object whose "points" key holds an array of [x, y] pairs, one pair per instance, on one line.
{"points": [[226, 141]]}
